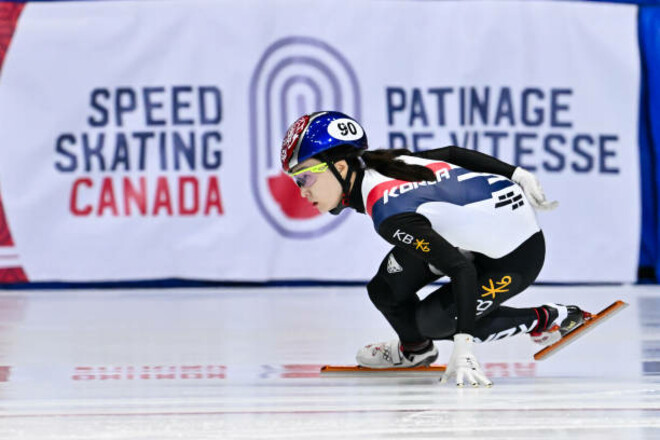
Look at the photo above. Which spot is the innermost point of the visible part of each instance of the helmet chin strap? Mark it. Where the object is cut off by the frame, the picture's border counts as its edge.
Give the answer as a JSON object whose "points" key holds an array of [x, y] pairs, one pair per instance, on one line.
{"points": [[344, 182]]}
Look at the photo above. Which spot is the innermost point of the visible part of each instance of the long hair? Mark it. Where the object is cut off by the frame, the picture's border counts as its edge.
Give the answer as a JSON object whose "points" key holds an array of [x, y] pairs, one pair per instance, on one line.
{"points": [[385, 162]]}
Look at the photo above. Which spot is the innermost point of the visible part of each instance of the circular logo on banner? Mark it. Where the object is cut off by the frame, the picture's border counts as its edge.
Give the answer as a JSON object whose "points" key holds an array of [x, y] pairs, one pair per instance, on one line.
{"points": [[296, 76], [345, 130]]}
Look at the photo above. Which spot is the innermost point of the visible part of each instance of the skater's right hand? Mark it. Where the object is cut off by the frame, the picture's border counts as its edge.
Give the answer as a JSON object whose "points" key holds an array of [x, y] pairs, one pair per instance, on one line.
{"points": [[463, 363], [532, 189]]}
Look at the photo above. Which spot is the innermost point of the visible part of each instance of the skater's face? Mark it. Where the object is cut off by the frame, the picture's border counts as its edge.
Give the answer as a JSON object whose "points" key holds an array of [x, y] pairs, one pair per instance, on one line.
{"points": [[317, 183]]}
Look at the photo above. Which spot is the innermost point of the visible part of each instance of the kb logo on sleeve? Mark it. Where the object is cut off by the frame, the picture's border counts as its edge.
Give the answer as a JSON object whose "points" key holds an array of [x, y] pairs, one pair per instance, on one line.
{"points": [[419, 244]]}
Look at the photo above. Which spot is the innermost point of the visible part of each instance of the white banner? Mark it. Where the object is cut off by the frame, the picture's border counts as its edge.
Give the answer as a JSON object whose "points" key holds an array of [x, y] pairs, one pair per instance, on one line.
{"points": [[140, 140]]}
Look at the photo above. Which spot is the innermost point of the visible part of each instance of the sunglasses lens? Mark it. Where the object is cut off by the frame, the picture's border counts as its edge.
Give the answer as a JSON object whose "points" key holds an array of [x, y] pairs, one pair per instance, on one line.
{"points": [[305, 180], [306, 177]]}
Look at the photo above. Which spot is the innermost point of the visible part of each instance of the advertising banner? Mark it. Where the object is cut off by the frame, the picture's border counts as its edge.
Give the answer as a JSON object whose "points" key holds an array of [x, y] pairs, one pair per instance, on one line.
{"points": [[140, 140]]}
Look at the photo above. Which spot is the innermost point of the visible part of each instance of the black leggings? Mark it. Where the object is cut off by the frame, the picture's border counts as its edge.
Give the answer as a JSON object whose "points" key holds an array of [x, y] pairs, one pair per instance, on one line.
{"points": [[394, 292]]}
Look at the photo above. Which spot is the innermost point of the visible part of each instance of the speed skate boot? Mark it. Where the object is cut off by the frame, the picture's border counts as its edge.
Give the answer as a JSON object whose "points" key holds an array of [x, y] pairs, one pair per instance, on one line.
{"points": [[391, 355], [559, 319]]}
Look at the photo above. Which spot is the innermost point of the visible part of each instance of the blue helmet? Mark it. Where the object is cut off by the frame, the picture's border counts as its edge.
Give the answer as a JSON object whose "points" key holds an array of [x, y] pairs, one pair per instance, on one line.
{"points": [[318, 132]]}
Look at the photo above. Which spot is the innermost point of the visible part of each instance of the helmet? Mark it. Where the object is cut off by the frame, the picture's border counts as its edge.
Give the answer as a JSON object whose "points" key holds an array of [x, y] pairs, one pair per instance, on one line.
{"points": [[318, 132]]}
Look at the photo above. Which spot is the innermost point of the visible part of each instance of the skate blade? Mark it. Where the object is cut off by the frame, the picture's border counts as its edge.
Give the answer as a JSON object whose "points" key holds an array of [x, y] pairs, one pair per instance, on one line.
{"points": [[358, 369], [582, 329]]}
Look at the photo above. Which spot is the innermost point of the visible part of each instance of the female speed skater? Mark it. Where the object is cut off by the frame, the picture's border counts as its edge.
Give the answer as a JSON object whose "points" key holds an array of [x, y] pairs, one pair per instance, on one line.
{"points": [[448, 212]]}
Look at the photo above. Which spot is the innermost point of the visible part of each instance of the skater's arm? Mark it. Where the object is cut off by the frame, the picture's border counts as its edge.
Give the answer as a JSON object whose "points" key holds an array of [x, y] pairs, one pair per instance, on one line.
{"points": [[483, 163], [413, 232], [469, 159]]}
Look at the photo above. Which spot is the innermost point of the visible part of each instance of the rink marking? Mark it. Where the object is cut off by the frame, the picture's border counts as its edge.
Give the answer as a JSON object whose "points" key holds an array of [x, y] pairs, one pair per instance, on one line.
{"points": [[320, 411]]}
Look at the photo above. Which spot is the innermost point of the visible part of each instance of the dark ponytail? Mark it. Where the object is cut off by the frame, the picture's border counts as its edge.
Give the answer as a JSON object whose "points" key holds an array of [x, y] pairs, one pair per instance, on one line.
{"points": [[387, 164]]}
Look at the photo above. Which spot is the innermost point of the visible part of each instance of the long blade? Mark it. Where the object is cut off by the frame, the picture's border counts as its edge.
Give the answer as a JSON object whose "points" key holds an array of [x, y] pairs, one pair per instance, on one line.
{"points": [[581, 330]]}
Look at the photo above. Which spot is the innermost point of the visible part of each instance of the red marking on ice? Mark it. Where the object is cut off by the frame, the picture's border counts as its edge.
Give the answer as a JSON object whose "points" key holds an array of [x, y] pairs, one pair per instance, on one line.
{"points": [[5, 372]]}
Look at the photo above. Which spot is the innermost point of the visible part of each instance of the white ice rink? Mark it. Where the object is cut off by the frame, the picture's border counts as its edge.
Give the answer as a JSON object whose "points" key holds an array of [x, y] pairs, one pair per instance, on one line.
{"points": [[244, 364]]}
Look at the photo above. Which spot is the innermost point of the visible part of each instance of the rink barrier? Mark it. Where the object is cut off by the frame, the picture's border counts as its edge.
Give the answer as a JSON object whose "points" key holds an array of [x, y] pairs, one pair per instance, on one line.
{"points": [[180, 283]]}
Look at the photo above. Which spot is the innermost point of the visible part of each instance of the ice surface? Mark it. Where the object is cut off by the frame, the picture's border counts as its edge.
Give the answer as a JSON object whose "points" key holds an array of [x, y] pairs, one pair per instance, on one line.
{"points": [[244, 364]]}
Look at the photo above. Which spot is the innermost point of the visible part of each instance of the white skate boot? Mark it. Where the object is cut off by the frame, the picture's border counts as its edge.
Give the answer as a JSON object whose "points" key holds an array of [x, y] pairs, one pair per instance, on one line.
{"points": [[390, 355], [568, 317]]}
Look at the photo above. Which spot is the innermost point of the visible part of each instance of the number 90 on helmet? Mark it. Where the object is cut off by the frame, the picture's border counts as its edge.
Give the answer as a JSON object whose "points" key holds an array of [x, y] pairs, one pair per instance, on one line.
{"points": [[320, 132]]}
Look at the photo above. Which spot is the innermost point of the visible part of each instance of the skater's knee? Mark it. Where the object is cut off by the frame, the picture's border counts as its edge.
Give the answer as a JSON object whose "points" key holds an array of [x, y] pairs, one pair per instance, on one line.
{"points": [[386, 298], [378, 291]]}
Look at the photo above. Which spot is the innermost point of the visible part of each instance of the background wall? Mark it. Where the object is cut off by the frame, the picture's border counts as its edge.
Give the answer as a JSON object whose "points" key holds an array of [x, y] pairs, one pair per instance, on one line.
{"points": [[137, 145]]}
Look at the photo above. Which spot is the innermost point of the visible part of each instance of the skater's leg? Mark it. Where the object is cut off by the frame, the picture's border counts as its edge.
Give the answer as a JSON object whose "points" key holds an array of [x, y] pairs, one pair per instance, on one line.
{"points": [[499, 280], [538, 321], [394, 292], [503, 278], [436, 319], [507, 321], [436, 314]]}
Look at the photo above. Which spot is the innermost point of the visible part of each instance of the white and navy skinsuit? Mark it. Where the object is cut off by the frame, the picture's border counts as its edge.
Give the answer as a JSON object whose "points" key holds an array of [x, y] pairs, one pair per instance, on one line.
{"points": [[473, 225]]}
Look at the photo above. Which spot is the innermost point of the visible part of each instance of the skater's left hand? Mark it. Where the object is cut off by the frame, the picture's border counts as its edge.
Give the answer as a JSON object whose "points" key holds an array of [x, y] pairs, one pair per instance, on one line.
{"points": [[463, 363], [533, 190]]}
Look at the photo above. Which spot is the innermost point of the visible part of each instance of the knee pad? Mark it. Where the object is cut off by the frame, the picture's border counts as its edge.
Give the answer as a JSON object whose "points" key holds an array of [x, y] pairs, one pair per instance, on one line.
{"points": [[433, 320], [378, 290]]}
